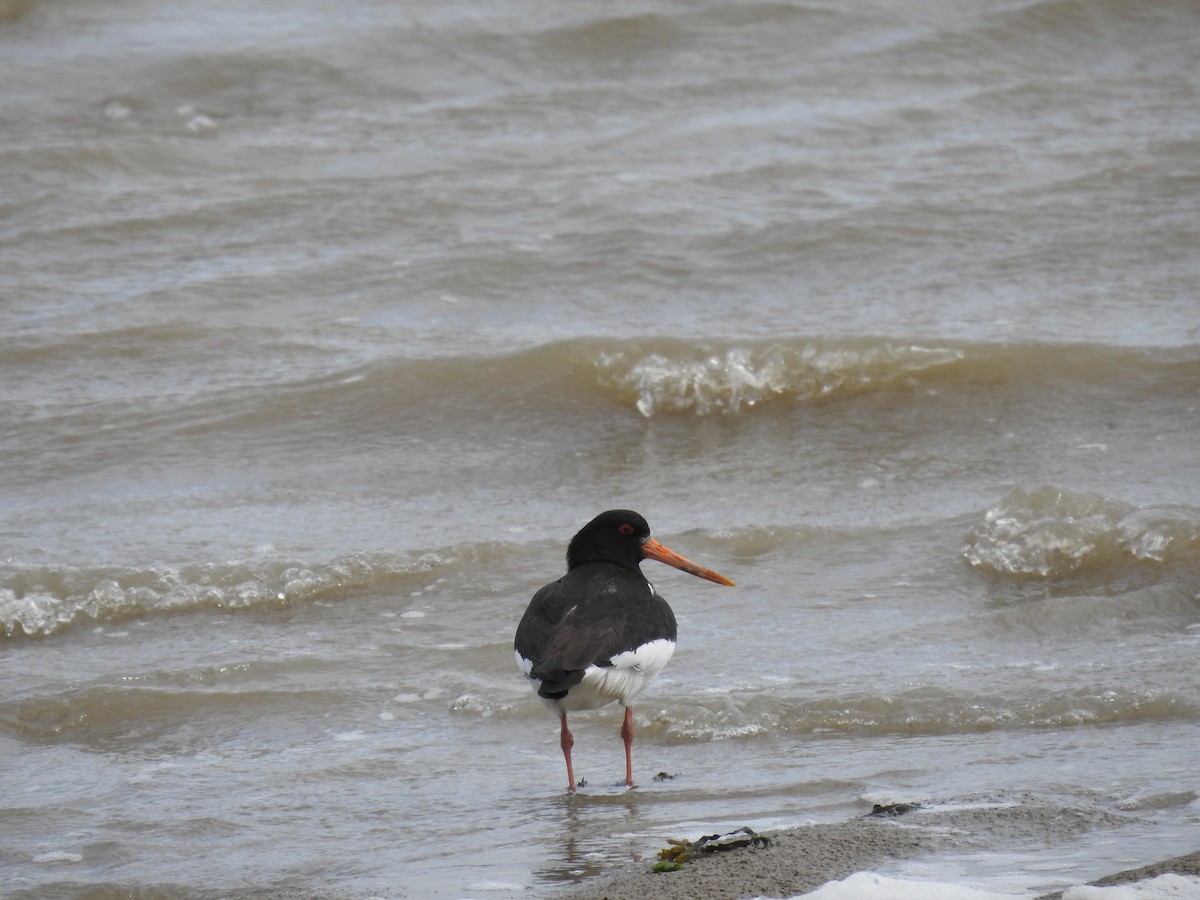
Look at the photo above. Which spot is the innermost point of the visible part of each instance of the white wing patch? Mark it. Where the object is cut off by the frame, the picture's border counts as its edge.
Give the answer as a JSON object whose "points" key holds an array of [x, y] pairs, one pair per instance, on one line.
{"points": [[525, 665], [627, 677], [648, 658], [622, 681]]}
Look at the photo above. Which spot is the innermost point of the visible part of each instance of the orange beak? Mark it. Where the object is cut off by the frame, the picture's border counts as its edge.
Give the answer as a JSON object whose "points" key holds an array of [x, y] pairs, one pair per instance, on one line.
{"points": [[652, 549]]}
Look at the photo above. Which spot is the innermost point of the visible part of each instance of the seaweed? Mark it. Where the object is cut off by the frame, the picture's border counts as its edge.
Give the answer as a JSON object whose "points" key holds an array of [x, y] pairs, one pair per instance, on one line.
{"points": [[681, 851]]}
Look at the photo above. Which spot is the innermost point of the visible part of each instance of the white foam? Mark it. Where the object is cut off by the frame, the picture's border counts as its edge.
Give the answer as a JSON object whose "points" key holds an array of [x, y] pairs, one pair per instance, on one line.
{"points": [[873, 886], [1164, 887], [497, 886], [58, 856]]}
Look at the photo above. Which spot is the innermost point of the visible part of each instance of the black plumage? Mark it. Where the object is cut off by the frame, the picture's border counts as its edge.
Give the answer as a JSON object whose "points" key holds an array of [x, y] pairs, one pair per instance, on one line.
{"points": [[601, 633]]}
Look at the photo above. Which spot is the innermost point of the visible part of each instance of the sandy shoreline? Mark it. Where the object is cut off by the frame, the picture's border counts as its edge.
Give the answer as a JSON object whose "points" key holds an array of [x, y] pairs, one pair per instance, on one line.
{"points": [[797, 860], [804, 858]]}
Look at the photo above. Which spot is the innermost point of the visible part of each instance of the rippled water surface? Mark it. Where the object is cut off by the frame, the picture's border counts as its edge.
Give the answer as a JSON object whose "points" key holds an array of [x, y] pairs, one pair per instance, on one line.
{"points": [[320, 334]]}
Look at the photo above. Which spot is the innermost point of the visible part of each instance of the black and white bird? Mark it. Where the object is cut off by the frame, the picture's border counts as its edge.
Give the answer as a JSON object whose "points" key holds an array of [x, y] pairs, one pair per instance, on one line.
{"points": [[601, 633]]}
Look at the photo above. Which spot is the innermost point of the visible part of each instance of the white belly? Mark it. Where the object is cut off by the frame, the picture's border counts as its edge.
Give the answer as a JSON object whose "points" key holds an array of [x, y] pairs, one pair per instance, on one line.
{"points": [[621, 682]]}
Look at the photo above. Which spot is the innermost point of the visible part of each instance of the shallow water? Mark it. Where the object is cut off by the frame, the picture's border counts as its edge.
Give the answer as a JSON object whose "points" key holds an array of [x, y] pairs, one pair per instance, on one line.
{"points": [[320, 336]]}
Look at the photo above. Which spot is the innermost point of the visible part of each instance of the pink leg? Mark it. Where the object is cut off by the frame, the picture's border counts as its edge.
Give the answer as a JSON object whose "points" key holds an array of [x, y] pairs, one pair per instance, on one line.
{"points": [[566, 740], [627, 737]]}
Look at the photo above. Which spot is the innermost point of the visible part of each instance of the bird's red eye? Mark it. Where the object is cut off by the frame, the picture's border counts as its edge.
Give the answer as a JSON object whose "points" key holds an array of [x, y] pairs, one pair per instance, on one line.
{"points": [[625, 528]]}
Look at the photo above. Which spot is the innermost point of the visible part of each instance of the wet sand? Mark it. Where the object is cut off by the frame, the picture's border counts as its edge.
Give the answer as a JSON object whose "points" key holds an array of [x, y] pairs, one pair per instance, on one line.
{"points": [[797, 860], [804, 858]]}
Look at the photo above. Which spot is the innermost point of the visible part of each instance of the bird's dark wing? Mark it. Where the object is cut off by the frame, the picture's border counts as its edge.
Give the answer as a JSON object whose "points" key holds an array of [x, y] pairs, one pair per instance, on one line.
{"points": [[586, 618], [544, 613], [577, 645]]}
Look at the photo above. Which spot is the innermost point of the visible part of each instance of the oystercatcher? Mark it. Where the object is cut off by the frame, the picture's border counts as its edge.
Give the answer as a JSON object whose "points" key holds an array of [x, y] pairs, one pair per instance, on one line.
{"points": [[601, 633]]}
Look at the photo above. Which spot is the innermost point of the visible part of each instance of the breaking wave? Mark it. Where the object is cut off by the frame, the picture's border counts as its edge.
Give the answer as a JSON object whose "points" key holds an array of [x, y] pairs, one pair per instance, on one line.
{"points": [[711, 379], [1052, 532], [45, 601], [918, 711]]}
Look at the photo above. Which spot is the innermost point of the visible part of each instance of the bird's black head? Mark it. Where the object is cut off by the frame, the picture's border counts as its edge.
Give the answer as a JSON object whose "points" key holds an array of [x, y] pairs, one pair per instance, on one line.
{"points": [[615, 536]]}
